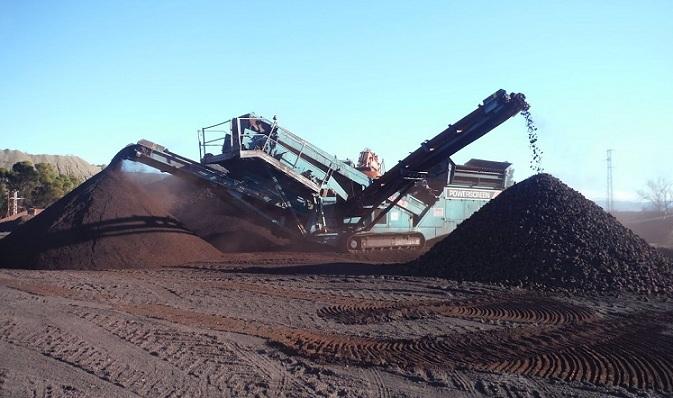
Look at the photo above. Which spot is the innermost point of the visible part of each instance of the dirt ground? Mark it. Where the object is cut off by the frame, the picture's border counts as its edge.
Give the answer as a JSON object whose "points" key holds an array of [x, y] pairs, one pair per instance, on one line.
{"points": [[311, 325]]}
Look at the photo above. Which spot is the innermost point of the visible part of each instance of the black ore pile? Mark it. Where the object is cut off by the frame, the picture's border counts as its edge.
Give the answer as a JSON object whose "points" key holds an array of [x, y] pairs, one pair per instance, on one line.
{"points": [[542, 234]]}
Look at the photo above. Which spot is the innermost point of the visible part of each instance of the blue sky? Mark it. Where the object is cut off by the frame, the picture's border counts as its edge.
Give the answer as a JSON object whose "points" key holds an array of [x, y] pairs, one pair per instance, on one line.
{"points": [[87, 78]]}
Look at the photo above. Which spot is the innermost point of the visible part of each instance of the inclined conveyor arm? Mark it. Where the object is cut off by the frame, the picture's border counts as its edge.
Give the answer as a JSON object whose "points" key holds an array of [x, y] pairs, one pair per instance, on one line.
{"points": [[238, 193], [495, 109]]}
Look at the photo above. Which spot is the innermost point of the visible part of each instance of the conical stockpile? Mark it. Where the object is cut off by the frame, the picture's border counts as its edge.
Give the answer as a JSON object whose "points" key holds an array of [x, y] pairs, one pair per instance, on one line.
{"points": [[540, 233], [107, 222]]}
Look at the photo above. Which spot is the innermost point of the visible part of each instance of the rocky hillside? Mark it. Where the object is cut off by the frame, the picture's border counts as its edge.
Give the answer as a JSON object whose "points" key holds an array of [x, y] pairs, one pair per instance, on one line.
{"points": [[68, 165]]}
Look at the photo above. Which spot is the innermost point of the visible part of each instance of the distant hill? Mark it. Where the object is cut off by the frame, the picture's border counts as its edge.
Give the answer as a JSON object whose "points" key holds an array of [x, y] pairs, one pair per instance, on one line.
{"points": [[68, 164]]}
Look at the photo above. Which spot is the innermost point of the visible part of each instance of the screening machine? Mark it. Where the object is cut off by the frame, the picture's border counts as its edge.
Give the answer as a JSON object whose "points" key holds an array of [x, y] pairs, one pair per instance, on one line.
{"points": [[288, 184]]}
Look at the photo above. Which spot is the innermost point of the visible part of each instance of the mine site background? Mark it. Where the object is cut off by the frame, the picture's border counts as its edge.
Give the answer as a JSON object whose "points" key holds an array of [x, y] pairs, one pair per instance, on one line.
{"points": [[138, 284], [48, 184], [597, 75]]}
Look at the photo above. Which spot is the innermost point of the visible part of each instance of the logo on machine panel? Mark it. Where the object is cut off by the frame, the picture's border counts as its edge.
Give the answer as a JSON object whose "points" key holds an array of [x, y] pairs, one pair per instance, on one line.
{"points": [[474, 194]]}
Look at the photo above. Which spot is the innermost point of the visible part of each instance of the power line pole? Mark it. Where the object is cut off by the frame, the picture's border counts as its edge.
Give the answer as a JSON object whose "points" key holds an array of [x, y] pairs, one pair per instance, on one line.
{"points": [[610, 200], [13, 203]]}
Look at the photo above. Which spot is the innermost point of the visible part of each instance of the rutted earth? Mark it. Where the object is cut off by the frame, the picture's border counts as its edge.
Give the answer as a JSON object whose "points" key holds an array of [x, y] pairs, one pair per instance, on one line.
{"points": [[216, 330]]}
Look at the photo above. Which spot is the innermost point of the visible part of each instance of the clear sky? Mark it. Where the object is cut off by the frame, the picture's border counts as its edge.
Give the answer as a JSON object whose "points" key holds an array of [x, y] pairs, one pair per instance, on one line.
{"points": [[89, 77]]}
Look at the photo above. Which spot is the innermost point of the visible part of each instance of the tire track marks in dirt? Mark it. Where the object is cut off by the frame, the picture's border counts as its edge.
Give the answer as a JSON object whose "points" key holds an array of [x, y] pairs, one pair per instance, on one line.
{"points": [[381, 391], [289, 293], [58, 345], [230, 368], [310, 288], [630, 356], [363, 310], [212, 360], [3, 378], [104, 365], [639, 356], [564, 341], [30, 373], [23, 385], [98, 355], [515, 308], [38, 288]]}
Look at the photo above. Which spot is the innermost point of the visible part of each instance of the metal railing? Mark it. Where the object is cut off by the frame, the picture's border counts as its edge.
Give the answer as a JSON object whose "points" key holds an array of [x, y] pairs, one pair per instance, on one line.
{"points": [[284, 146]]}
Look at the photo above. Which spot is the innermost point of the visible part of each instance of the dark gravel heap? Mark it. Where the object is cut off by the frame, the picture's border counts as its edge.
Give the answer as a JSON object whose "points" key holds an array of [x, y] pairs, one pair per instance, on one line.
{"points": [[666, 252], [542, 234]]}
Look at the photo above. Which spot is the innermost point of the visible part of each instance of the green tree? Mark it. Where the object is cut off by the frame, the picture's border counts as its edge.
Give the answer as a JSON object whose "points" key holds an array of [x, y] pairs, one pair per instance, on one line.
{"points": [[46, 173], [39, 185], [68, 183], [3, 200], [49, 187], [24, 178], [3, 191]]}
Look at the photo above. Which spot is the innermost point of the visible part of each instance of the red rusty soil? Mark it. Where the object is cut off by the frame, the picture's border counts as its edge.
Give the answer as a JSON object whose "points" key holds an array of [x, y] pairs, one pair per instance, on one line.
{"points": [[319, 330]]}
